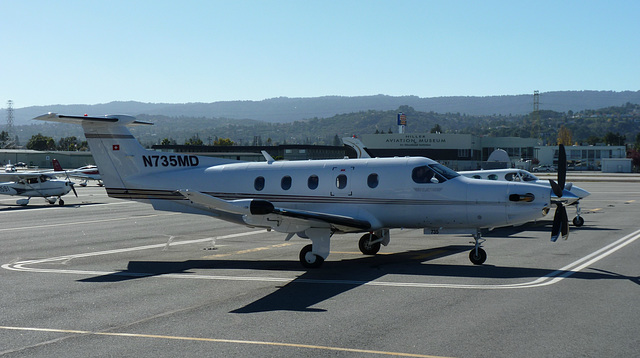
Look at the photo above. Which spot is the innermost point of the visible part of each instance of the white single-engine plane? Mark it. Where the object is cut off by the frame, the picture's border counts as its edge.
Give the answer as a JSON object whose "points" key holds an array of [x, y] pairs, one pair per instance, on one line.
{"points": [[318, 198], [86, 173], [35, 184]]}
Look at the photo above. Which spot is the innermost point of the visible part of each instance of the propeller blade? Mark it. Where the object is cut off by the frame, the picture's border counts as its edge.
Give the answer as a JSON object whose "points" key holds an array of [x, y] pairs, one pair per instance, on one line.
{"points": [[73, 188], [565, 223], [562, 166], [560, 219], [560, 223], [557, 189], [557, 222]]}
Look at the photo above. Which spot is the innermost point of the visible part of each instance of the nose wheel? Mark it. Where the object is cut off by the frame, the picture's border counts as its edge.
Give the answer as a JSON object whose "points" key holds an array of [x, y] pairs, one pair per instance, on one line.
{"points": [[478, 256], [578, 220]]}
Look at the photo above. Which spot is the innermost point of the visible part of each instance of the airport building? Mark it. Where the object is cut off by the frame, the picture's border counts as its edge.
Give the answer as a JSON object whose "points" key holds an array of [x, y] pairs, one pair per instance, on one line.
{"points": [[469, 152], [457, 151], [42, 159]]}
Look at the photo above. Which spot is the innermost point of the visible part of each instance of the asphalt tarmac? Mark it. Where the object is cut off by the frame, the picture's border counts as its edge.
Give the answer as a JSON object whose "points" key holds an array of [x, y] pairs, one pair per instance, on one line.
{"points": [[102, 277]]}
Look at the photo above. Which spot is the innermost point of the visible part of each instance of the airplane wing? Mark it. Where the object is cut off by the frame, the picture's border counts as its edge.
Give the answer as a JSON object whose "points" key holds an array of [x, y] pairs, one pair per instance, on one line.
{"points": [[265, 213], [16, 176]]}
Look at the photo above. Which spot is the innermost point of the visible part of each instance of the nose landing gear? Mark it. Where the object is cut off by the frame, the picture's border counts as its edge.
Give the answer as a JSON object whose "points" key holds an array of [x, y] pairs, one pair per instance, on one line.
{"points": [[477, 255]]}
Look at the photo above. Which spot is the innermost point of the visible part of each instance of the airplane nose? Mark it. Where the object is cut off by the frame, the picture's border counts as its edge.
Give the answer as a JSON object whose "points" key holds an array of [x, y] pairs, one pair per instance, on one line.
{"points": [[579, 192]]}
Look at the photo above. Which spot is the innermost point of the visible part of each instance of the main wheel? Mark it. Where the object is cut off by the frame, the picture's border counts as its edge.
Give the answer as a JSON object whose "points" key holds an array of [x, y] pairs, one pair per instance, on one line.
{"points": [[578, 221], [367, 245], [478, 259], [308, 259]]}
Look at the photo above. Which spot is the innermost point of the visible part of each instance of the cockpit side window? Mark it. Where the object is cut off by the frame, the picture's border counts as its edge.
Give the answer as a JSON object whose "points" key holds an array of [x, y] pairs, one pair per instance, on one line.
{"points": [[422, 174]]}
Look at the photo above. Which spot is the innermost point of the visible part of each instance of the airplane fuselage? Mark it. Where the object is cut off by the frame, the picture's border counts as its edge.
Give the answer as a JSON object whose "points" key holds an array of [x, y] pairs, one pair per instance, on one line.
{"points": [[382, 191], [45, 189]]}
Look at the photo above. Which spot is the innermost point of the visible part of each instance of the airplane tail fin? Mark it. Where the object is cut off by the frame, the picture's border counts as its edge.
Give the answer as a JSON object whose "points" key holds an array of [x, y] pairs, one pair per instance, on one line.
{"points": [[358, 146], [125, 165], [56, 165]]}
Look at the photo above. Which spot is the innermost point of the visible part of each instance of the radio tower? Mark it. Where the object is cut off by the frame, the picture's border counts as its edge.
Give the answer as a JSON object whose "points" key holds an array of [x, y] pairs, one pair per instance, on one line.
{"points": [[8, 142], [536, 112]]}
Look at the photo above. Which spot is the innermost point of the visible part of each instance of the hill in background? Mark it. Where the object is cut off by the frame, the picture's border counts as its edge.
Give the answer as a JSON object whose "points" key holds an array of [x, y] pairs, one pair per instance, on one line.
{"points": [[287, 110]]}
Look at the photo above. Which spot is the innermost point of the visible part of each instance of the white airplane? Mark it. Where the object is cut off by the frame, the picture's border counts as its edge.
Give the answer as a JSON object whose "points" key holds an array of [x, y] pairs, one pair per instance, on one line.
{"points": [[87, 172], [517, 175], [318, 198], [521, 175], [35, 184]]}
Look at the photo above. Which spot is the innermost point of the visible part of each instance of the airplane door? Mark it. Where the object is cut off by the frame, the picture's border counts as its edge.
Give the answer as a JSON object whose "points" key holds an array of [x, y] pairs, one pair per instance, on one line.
{"points": [[342, 177]]}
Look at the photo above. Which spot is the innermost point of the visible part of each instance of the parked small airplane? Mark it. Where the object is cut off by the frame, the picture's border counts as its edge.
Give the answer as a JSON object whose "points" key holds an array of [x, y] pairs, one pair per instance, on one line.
{"points": [[521, 175], [87, 172], [318, 198], [35, 184]]}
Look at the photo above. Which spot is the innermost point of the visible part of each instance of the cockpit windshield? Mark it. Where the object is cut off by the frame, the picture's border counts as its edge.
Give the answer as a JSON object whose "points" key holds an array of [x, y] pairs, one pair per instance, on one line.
{"points": [[444, 171], [435, 173], [526, 176]]}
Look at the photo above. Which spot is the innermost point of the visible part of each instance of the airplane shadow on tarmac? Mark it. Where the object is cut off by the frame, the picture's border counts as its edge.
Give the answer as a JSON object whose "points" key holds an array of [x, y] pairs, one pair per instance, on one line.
{"points": [[337, 277]]}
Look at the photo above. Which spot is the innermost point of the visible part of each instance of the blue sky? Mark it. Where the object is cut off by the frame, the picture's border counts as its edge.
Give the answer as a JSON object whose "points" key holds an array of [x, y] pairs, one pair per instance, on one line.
{"points": [[88, 52]]}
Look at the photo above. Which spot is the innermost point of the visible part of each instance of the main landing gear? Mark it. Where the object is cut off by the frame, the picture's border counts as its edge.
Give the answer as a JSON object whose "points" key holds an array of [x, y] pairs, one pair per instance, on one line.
{"points": [[313, 255], [308, 259], [477, 255], [369, 244], [52, 200]]}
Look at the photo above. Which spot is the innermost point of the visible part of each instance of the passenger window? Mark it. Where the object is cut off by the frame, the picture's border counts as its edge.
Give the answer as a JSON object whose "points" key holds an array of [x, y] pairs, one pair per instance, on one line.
{"points": [[493, 177], [312, 182], [477, 177], [258, 183], [423, 174], [341, 181], [285, 183], [509, 176], [372, 180]]}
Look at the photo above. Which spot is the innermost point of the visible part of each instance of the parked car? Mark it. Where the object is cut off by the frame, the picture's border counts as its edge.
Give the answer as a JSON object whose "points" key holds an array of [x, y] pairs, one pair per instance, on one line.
{"points": [[544, 168]]}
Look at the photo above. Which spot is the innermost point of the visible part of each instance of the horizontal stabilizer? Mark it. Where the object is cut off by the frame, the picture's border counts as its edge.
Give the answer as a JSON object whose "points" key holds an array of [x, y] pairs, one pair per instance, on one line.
{"points": [[119, 118]]}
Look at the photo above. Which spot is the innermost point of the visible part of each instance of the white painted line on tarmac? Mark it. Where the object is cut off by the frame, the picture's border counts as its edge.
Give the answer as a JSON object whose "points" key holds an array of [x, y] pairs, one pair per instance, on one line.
{"points": [[84, 222], [546, 280]]}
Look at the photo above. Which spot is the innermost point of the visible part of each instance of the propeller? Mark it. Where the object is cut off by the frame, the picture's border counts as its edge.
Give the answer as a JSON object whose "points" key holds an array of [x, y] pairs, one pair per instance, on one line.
{"points": [[560, 220], [70, 183]]}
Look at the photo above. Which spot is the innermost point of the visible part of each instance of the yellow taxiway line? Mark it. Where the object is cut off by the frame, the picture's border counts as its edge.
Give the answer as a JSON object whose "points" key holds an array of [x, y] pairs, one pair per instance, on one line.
{"points": [[220, 340]]}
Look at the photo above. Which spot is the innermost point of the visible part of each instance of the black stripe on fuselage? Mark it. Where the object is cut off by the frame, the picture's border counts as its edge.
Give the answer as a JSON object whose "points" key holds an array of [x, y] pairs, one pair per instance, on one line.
{"points": [[150, 194]]}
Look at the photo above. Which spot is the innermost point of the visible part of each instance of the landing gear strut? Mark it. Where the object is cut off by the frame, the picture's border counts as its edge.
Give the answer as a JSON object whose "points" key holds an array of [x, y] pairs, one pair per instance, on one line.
{"points": [[478, 256], [578, 220]]}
